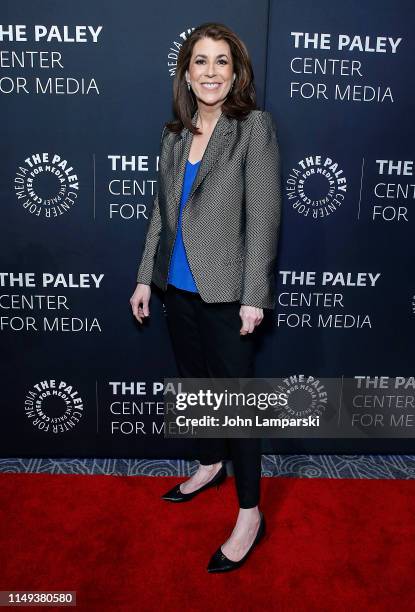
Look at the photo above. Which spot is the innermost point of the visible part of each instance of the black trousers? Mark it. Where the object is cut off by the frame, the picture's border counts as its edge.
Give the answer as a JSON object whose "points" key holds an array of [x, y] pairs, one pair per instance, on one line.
{"points": [[206, 343]]}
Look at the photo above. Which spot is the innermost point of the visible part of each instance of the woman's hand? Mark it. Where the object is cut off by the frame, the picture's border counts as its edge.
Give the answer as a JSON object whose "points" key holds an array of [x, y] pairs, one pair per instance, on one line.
{"points": [[251, 317], [141, 295]]}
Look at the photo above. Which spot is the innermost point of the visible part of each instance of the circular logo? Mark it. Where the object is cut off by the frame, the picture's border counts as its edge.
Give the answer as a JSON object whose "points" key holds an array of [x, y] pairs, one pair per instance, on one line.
{"points": [[174, 49], [46, 185], [53, 406], [316, 187], [306, 395]]}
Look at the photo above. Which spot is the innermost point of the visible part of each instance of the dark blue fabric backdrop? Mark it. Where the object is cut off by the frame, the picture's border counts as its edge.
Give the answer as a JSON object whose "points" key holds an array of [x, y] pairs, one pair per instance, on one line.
{"points": [[85, 89]]}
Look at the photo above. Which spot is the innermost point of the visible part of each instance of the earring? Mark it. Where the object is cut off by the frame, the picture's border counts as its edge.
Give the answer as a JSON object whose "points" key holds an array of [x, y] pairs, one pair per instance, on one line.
{"points": [[188, 85]]}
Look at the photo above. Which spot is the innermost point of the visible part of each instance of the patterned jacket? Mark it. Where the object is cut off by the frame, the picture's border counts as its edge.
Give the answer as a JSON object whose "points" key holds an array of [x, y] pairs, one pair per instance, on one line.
{"points": [[231, 220]]}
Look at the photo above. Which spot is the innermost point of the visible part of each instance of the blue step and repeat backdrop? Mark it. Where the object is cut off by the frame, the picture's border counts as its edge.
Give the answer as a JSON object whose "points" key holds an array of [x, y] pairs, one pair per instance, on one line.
{"points": [[85, 90]]}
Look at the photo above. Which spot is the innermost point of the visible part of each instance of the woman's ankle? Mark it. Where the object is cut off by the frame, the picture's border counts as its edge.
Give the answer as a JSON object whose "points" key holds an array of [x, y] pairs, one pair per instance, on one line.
{"points": [[249, 513]]}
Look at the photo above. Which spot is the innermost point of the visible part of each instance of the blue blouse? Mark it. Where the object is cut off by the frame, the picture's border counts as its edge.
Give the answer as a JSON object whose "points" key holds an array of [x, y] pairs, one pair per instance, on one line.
{"points": [[180, 274]]}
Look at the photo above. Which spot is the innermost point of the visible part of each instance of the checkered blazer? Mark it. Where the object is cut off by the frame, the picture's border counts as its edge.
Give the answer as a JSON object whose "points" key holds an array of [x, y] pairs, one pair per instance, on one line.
{"points": [[231, 220]]}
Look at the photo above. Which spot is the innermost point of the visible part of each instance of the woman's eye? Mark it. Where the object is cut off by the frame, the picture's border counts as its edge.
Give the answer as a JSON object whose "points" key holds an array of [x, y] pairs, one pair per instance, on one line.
{"points": [[220, 61]]}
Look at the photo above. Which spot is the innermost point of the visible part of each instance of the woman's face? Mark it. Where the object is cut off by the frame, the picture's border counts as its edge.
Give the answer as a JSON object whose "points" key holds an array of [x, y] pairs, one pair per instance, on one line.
{"points": [[211, 62]]}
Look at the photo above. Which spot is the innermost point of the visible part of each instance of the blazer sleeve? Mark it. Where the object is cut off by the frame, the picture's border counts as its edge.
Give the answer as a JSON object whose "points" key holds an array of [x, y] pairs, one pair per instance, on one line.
{"points": [[151, 240], [263, 213]]}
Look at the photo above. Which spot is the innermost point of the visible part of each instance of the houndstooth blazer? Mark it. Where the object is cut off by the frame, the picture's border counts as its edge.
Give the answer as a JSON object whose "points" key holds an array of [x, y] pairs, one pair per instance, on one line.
{"points": [[231, 220]]}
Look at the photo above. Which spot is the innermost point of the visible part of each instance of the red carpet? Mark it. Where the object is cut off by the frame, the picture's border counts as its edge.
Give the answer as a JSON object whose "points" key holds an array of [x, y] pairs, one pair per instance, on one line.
{"points": [[331, 544]]}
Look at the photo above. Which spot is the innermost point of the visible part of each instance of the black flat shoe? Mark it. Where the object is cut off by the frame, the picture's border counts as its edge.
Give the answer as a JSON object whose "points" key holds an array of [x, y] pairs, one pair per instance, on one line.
{"points": [[220, 563], [175, 495]]}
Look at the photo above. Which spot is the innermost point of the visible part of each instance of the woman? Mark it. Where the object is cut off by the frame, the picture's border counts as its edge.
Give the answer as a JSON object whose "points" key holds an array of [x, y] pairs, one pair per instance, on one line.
{"points": [[211, 245]]}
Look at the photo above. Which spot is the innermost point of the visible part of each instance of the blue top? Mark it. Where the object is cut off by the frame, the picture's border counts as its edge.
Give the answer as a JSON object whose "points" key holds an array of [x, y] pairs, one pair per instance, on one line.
{"points": [[180, 274]]}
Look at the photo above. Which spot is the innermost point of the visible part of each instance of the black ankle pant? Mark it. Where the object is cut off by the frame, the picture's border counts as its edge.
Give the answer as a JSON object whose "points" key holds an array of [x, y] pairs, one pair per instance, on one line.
{"points": [[207, 343]]}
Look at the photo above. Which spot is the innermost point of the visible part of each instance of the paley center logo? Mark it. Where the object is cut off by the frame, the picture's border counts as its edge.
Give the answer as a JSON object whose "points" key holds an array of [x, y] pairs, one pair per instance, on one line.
{"points": [[307, 396], [174, 49], [53, 406], [316, 187], [46, 185]]}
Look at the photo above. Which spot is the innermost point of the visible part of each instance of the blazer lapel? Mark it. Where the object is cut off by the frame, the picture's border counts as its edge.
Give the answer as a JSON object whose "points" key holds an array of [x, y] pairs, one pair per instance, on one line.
{"points": [[217, 144]]}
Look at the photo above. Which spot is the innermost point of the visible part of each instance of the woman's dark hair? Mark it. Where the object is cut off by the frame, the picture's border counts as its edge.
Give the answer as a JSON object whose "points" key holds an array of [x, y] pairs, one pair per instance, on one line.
{"points": [[242, 97]]}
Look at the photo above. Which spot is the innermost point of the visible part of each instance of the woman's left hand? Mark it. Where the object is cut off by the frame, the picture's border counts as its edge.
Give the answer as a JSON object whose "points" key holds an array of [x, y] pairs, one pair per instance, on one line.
{"points": [[251, 317]]}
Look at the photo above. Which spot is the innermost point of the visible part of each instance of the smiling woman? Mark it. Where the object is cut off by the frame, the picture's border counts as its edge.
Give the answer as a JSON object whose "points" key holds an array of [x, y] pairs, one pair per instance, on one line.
{"points": [[211, 246], [210, 83]]}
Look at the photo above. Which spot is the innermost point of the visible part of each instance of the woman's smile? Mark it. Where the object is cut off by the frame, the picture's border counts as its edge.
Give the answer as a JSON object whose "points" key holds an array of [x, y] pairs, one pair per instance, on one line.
{"points": [[211, 85]]}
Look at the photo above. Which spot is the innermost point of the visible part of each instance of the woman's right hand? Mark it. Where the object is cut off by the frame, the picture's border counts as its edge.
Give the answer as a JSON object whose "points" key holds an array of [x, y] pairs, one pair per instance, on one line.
{"points": [[140, 296]]}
